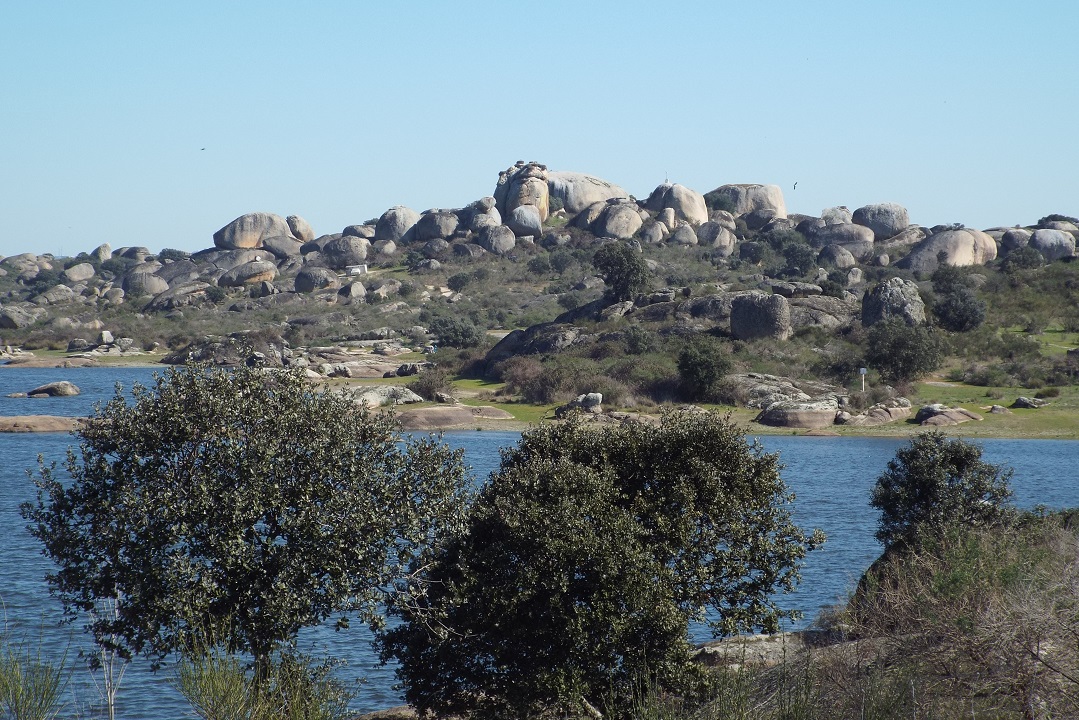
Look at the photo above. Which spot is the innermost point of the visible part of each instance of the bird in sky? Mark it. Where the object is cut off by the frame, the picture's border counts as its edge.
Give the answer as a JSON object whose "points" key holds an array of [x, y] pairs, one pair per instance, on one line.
{"points": [[795, 184]]}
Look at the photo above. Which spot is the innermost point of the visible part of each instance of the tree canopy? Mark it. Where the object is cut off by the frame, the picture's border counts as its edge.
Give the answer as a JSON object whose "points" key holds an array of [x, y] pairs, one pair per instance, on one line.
{"points": [[238, 505], [622, 269], [935, 483], [584, 559]]}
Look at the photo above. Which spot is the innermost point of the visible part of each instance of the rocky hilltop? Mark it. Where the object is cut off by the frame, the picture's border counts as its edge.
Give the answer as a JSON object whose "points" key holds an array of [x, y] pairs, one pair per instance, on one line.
{"points": [[731, 263]]}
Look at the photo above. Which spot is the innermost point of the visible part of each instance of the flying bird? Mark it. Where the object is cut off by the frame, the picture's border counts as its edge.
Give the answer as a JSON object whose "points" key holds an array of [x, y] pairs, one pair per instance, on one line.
{"points": [[795, 186]]}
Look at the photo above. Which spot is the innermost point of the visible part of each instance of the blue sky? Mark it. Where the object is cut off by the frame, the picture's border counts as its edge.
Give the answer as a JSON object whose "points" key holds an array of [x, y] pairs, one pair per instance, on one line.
{"points": [[961, 111]]}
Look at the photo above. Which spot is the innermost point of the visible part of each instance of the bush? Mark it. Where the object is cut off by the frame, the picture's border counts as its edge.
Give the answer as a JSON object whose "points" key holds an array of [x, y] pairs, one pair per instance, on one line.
{"points": [[639, 340], [900, 352], [702, 364], [1024, 258], [582, 562], [539, 265], [936, 483], [455, 332], [430, 382], [171, 254], [459, 282], [959, 310]]}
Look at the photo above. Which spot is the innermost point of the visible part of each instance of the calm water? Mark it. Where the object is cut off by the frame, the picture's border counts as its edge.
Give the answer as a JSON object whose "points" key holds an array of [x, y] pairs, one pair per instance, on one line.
{"points": [[831, 477]]}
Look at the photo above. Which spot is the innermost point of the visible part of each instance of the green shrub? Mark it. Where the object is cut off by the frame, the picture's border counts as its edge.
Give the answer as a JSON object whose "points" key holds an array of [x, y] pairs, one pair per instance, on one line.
{"points": [[702, 364], [430, 382], [935, 483], [459, 281], [716, 201], [623, 270], [959, 310], [900, 352], [455, 332]]}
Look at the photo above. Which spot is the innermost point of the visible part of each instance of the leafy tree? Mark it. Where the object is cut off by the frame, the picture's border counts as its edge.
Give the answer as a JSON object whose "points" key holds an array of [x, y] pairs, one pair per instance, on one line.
{"points": [[622, 269], [959, 310], [902, 353], [935, 483], [561, 261], [584, 559], [459, 281], [455, 332], [702, 364], [236, 505], [800, 257]]}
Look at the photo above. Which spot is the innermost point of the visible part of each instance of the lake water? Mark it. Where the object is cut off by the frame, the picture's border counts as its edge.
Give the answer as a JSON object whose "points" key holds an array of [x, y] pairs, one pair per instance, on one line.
{"points": [[831, 477]]}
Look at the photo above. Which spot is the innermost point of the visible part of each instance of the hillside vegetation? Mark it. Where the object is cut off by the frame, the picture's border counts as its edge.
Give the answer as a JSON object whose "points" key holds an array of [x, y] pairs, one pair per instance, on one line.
{"points": [[561, 284]]}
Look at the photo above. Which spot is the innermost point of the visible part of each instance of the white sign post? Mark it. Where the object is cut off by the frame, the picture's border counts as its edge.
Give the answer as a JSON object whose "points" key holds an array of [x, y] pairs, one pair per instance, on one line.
{"points": [[862, 372]]}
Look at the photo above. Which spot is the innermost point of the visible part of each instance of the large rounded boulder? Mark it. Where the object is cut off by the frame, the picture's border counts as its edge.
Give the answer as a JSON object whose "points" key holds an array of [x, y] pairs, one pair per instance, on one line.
{"points": [[893, 298], [577, 190], [523, 184], [300, 228], [395, 222], [756, 315], [250, 273], [746, 198], [346, 250], [856, 239], [440, 224], [248, 231], [1053, 244], [884, 219], [310, 279], [957, 248], [498, 239], [620, 220], [687, 204], [138, 284], [525, 220]]}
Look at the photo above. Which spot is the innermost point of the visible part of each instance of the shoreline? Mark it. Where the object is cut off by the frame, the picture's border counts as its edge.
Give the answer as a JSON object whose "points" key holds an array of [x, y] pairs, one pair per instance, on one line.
{"points": [[504, 418]]}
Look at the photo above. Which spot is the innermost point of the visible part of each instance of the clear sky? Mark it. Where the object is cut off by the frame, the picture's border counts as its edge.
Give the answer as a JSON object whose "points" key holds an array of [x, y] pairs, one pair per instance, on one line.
{"points": [[155, 123]]}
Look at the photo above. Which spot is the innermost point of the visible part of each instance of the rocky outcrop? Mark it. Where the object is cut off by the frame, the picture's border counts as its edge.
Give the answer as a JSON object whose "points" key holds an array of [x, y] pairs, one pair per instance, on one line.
{"points": [[685, 204], [79, 273], [1026, 403], [1053, 244], [822, 311], [884, 219], [13, 317], [248, 231], [523, 184], [938, 415], [138, 284], [840, 215], [301, 230], [893, 298], [746, 198], [882, 413], [525, 220], [588, 403], [856, 239], [757, 315], [577, 190], [250, 273], [395, 223], [386, 395], [346, 250], [440, 224], [38, 423], [59, 388], [793, 414], [310, 279], [538, 339], [618, 219], [957, 248]]}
